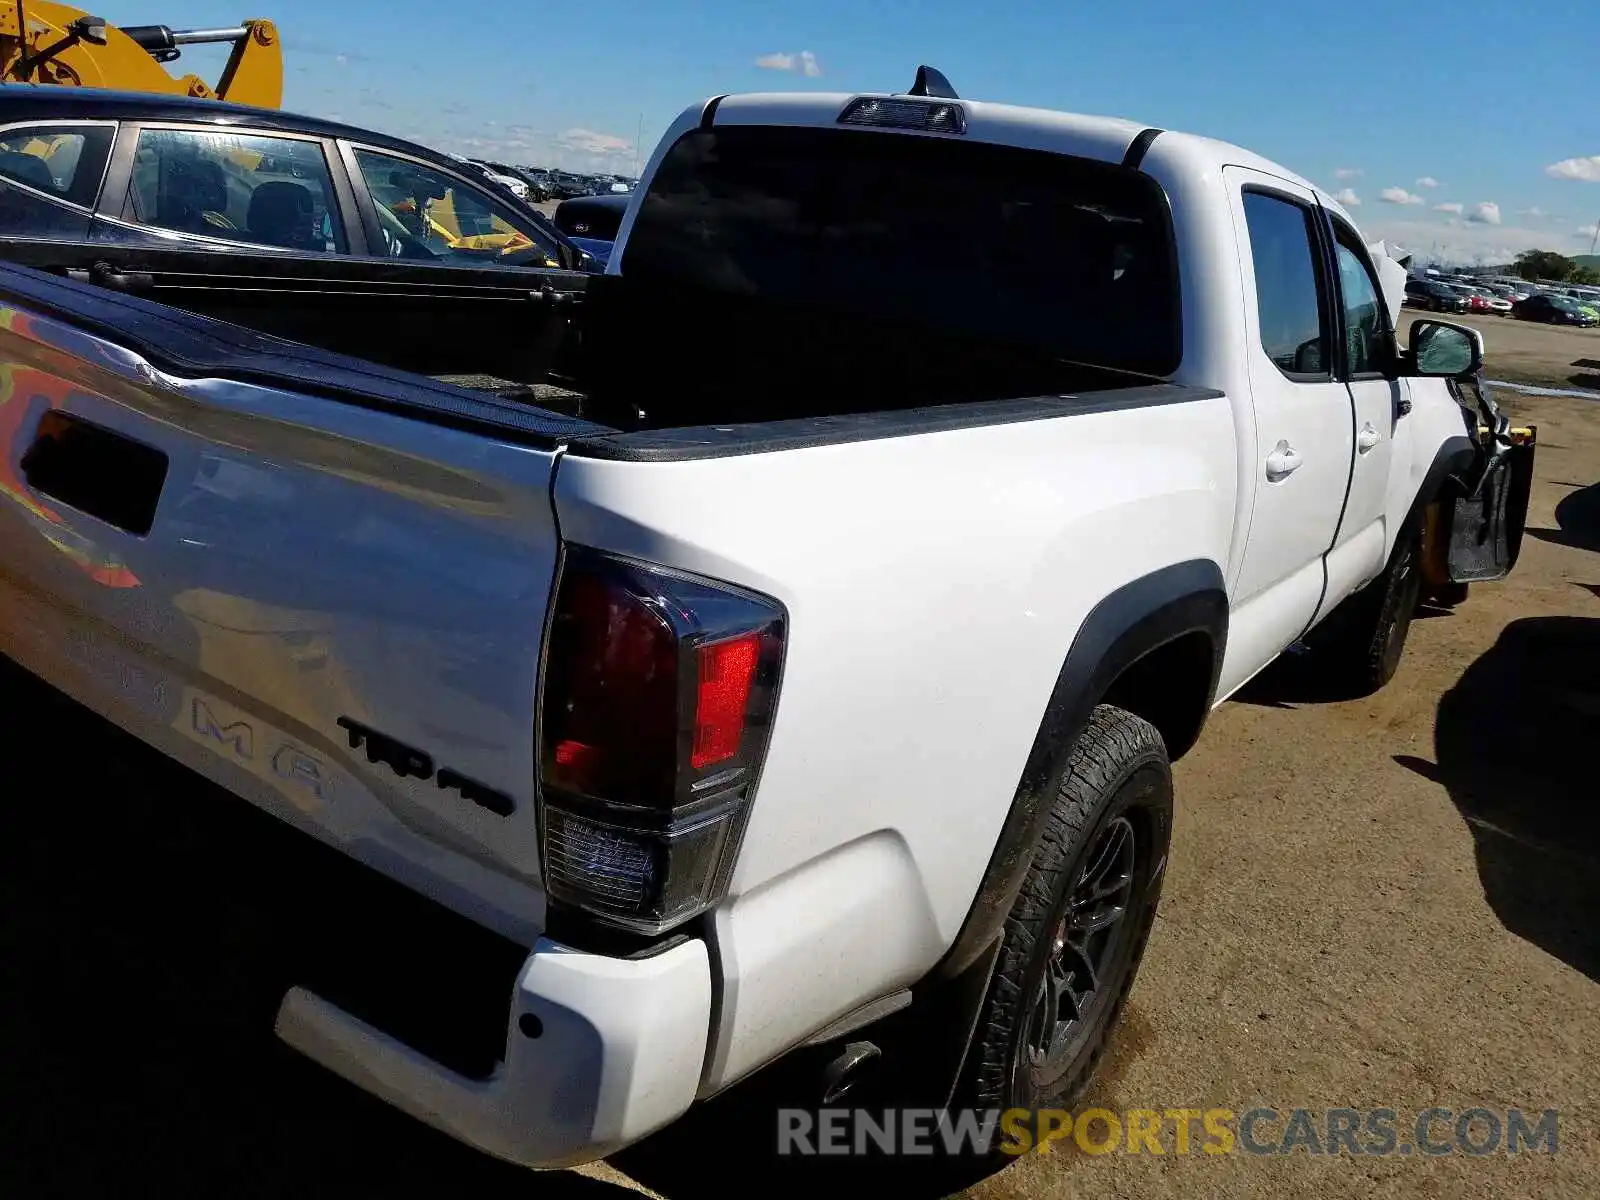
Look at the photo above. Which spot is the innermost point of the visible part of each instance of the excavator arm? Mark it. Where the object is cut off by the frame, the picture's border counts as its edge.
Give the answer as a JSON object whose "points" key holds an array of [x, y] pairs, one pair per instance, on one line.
{"points": [[45, 42]]}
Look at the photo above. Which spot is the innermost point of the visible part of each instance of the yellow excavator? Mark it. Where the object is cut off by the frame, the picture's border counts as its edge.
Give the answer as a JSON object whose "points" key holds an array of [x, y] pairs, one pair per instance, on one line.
{"points": [[44, 42]]}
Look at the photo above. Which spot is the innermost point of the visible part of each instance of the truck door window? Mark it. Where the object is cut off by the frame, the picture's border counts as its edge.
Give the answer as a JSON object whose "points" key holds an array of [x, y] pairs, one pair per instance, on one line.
{"points": [[269, 191], [1365, 319], [426, 214], [1290, 297], [53, 164]]}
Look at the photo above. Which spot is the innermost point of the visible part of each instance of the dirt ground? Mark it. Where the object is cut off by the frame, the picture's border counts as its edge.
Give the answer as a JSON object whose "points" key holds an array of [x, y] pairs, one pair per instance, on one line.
{"points": [[1378, 903]]}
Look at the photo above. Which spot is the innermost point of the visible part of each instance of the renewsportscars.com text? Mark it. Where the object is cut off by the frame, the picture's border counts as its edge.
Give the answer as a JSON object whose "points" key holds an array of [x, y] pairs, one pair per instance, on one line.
{"points": [[1373, 1132]]}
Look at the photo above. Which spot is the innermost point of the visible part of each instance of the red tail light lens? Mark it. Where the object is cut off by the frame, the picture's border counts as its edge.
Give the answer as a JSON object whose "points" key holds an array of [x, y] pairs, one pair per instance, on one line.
{"points": [[657, 698], [727, 670]]}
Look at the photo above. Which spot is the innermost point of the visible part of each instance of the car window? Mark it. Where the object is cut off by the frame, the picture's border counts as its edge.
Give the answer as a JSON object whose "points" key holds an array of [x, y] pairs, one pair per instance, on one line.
{"points": [[67, 163], [270, 191], [1289, 296], [46, 169], [426, 214], [1365, 326]]}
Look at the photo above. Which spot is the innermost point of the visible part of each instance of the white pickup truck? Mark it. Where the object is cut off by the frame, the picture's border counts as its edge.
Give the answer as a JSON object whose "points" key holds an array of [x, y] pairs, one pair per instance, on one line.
{"points": [[800, 667]]}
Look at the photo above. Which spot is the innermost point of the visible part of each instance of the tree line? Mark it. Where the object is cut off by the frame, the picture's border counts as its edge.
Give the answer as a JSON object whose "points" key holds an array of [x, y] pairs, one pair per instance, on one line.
{"points": [[1534, 265]]}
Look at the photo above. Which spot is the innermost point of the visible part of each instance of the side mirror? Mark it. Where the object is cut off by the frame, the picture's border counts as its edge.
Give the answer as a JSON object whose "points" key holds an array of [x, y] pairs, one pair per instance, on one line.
{"points": [[1442, 350]]}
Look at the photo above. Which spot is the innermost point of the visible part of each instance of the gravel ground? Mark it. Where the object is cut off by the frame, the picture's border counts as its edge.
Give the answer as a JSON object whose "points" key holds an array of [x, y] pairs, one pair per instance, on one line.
{"points": [[1379, 903]]}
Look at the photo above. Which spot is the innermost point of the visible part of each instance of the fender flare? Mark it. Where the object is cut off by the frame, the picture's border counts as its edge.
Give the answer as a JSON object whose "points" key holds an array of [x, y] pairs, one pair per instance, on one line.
{"points": [[1454, 457], [1135, 619], [1455, 454]]}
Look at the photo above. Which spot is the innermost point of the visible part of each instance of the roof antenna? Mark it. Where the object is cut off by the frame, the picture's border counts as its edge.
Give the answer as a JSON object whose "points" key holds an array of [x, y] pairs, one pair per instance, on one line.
{"points": [[932, 83]]}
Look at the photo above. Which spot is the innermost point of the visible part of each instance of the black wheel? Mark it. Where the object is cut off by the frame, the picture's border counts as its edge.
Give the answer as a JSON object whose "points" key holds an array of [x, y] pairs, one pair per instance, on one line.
{"points": [[1361, 643], [1077, 931]]}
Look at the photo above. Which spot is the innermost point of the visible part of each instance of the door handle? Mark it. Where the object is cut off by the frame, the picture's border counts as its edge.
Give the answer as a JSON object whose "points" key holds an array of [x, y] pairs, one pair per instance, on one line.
{"points": [[1368, 438], [108, 276], [1283, 462]]}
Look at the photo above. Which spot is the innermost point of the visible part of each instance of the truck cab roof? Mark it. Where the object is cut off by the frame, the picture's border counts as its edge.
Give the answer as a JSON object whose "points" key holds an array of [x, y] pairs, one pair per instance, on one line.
{"points": [[1102, 138]]}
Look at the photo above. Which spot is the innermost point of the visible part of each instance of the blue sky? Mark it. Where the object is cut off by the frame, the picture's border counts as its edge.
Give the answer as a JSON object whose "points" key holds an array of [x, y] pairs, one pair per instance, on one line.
{"points": [[1492, 107]]}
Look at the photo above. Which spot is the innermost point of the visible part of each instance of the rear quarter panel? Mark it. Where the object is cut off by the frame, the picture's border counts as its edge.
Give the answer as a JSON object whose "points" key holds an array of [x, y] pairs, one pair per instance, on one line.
{"points": [[934, 584]]}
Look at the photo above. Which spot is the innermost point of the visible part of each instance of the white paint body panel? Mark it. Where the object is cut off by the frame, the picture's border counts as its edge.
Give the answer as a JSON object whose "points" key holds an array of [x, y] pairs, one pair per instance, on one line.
{"points": [[978, 553]]}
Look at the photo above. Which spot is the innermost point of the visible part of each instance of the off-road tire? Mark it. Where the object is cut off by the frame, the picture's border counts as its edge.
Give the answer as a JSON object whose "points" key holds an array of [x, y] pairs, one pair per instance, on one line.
{"points": [[1118, 768], [1362, 642]]}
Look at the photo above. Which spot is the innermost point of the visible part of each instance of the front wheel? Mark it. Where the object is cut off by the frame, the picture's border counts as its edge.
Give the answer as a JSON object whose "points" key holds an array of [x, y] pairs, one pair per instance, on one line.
{"points": [[1361, 642], [1077, 930]]}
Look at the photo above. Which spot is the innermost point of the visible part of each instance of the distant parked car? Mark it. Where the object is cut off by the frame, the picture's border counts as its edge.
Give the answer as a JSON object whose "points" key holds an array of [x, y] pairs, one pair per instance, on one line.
{"points": [[1555, 310], [502, 175], [564, 186], [538, 183], [1434, 296], [1496, 303], [537, 190]]}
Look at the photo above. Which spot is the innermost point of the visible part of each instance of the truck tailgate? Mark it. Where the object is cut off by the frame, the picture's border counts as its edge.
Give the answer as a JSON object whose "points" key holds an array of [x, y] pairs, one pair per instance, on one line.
{"points": [[256, 557]]}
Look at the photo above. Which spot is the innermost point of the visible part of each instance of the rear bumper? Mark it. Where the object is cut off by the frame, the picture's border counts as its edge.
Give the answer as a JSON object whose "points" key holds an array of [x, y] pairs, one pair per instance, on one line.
{"points": [[599, 1053]]}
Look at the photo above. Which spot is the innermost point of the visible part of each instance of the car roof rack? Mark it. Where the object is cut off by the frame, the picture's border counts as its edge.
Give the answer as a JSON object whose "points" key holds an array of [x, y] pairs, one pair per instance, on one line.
{"points": [[931, 82]]}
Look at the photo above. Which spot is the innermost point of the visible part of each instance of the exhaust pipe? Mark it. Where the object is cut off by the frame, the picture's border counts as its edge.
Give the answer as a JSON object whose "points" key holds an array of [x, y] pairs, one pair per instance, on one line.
{"points": [[853, 1065]]}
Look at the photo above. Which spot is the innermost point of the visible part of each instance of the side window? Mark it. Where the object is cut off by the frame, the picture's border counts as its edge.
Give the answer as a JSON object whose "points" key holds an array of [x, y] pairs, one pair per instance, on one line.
{"points": [[272, 191], [52, 163], [426, 214], [1365, 321], [1289, 296]]}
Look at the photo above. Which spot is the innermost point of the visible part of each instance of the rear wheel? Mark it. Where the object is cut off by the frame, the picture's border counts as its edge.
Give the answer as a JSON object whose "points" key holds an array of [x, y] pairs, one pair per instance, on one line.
{"points": [[1078, 928]]}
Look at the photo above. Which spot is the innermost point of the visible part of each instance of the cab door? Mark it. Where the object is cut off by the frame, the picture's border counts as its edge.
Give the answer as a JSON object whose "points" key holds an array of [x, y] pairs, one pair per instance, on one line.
{"points": [[1305, 432], [1366, 363]]}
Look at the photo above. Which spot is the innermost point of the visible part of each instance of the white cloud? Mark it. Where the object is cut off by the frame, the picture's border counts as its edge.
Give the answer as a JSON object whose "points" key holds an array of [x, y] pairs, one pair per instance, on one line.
{"points": [[1349, 173], [1487, 213], [1427, 181], [1455, 242], [1535, 211], [1451, 207], [1347, 197], [342, 59], [598, 145], [1396, 195], [1587, 232], [805, 62], [1585, 169]]}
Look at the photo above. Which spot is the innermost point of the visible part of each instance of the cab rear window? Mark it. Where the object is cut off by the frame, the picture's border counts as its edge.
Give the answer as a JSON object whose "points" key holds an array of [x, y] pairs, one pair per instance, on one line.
{"points": [[1064, 254]]}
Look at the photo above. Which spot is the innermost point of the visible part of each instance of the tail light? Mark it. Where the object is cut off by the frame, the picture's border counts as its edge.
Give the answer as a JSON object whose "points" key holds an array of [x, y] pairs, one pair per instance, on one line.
{"points": [[657, 699]]}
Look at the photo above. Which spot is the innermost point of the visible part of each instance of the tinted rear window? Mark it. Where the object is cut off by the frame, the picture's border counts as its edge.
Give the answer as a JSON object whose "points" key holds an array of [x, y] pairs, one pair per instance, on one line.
{"points": [[1060, 253]]}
